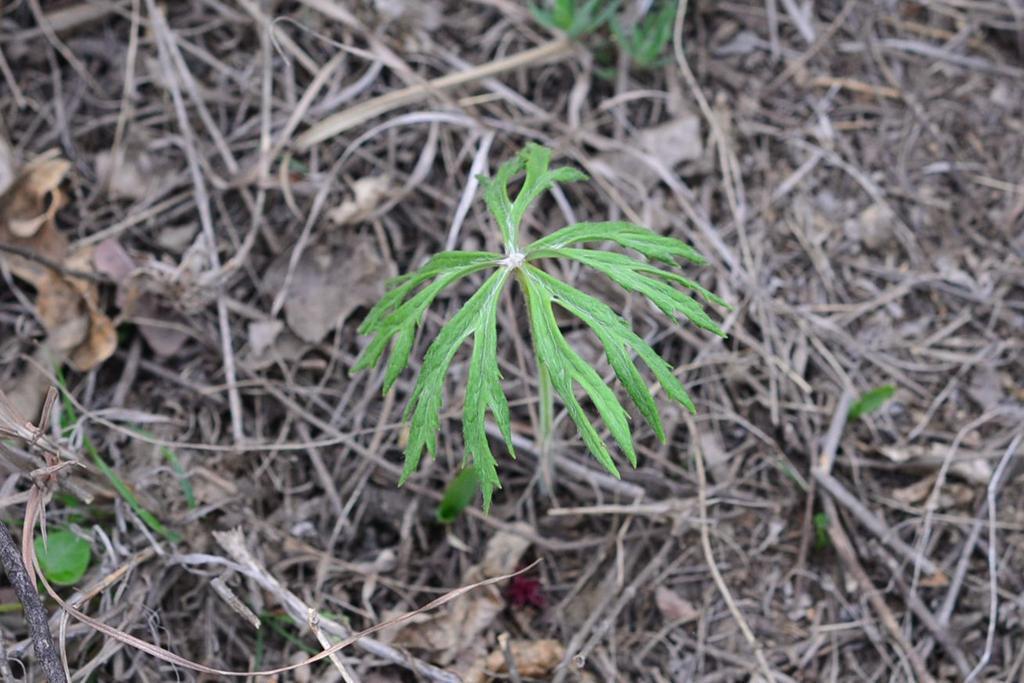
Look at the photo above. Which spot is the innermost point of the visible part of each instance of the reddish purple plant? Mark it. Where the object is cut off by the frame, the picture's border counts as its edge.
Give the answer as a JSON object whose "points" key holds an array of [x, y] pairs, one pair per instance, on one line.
{"points": [[524, 591]]}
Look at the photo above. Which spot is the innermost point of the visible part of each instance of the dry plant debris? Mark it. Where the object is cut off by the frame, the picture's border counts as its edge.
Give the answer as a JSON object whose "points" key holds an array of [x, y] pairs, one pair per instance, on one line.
{"points": [[38, 253], [852, 171]]}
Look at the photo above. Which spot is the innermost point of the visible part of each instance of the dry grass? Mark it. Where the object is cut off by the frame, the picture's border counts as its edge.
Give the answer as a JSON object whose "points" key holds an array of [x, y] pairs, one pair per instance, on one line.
{"points": [[858, 193]]}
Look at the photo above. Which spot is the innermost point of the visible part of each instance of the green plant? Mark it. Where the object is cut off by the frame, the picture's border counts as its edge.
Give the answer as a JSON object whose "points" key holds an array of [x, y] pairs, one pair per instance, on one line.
{"points": [[870, 401], [821, 538], [457, 496], [576, 18], [394, 320], [64, 557], [645, 41], [643, 37]]}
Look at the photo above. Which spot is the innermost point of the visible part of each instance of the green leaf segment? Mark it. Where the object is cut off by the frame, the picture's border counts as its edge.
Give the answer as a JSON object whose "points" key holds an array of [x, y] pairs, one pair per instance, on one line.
{"points": [[393, 323]]}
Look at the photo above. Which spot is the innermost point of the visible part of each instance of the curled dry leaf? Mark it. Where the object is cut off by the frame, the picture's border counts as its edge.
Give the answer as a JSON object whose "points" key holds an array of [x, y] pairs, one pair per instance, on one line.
{"points": [[24, 207], [35, 196], [158, 325], [674, 607], [68, 307], [369, 193], [533, 659]]}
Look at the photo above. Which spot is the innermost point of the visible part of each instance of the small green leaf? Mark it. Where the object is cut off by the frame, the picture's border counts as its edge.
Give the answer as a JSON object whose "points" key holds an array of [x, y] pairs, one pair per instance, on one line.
{"points": [[457, 497], [871, 401], [648, 38], [575, 18], [821, 537], [65, 557]]}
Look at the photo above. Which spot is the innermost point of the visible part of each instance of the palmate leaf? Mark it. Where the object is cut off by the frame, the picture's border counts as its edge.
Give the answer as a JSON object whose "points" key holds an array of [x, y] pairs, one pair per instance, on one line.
{"points": [[394, 321]]}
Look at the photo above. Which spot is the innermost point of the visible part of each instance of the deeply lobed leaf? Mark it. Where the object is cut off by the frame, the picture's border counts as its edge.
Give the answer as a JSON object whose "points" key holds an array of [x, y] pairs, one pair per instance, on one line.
{"points": [[649, 243], [536, 161], [393, 322], [424, 406]]}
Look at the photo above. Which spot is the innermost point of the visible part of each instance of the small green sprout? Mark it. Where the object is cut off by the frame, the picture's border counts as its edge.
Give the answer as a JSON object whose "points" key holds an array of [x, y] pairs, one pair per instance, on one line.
{"points": [[822, 540], [870, 401], [646, 40], [457, 496], [393, 322], [575, 18]]}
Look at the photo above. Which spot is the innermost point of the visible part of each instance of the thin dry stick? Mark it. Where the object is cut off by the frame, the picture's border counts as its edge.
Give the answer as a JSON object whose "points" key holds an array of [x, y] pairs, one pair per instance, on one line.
{"points": [[35, 613], [5, 669], [731, 176], [469, 193], [164, 51], [841, 542], [709, 556], [127, 90], [993, 560], [313, 621], [873, 522], [932, 504], [822, 474], [31, 518], [822, 40], [59, 46], [362, 112], [928, 620]]}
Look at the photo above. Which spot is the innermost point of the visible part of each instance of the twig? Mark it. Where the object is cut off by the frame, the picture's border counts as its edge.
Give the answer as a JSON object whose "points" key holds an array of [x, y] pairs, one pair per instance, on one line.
{"points": [[35, 613], [165, 47], [313, 621], [5, 669], [872, 522], [732, 177], [822, 40], [709, 556], [993, 560], [364, 111], [841, 542], [938, 630], [469, 193]]}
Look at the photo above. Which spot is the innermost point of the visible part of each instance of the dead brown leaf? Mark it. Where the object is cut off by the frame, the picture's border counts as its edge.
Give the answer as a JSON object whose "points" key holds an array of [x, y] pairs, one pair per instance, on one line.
{"points": [[34, 198], [158, 325], [328, 284], [674, 607], [68, 307], [27, 209], [670, 143], [455, 633], [369, 193], [533, 659]]}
